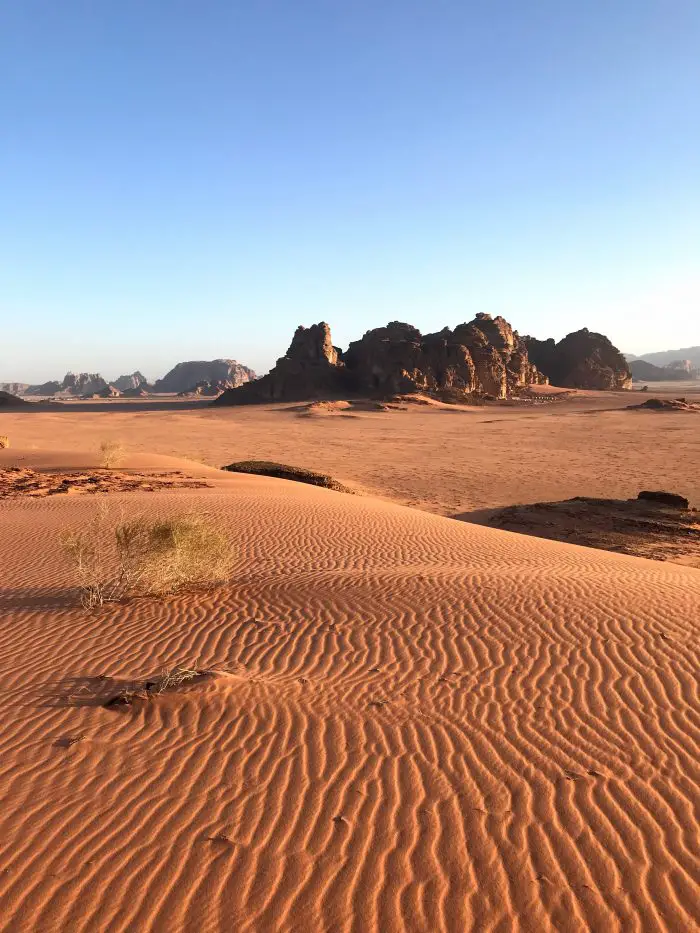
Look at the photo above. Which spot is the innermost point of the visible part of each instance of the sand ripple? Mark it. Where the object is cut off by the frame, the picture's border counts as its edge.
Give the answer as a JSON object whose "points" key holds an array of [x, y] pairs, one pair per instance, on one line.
{"points": [[422, 726]]}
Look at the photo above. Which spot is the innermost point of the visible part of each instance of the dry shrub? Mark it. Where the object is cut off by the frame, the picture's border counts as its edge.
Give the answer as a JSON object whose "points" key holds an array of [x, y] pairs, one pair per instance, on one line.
{"points": [[145, 557], [167, 680], [4, 441], [111, 454]]}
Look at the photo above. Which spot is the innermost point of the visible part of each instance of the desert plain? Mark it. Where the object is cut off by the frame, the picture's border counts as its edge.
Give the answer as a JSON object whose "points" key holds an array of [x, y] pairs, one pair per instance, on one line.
{"points": [[416, 722]]}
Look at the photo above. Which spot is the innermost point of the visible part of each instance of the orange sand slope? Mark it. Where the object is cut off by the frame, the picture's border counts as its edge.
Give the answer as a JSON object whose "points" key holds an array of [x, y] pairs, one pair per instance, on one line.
{"points": [[425, 726]]}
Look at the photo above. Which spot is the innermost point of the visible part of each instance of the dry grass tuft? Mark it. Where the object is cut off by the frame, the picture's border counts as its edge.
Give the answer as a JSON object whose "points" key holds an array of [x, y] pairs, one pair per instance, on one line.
{"points": [[4, 441], [145, 557], [111, 454], [166, 682]]}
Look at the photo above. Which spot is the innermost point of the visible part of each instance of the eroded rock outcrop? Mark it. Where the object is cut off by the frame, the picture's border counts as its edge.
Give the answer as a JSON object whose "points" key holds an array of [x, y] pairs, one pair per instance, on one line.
{"points": [[312, 367], [484, 356], [185, 376], [83, 384], [581, 360], [8, 400], [71, 384], [131, 381]]}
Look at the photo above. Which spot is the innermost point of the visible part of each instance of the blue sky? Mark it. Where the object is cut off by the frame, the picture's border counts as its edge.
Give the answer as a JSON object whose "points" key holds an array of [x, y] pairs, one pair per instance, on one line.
{"points": [[187, 180]]}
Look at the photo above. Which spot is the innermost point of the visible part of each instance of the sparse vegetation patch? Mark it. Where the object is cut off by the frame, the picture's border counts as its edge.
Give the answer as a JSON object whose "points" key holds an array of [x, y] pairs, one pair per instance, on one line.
{"points": [[145, 557], [166, 682], [111, 454]]}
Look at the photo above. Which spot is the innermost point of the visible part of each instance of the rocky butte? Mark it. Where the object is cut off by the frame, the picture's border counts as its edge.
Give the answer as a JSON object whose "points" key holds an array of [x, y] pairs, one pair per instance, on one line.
{"points": [[485, 356], [581, 360], [186, 376]]}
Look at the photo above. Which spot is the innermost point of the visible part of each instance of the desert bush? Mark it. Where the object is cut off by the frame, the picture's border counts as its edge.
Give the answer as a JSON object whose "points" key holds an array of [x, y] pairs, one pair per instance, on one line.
{"points": [[145, 557], [4, 441], [111, 454]]}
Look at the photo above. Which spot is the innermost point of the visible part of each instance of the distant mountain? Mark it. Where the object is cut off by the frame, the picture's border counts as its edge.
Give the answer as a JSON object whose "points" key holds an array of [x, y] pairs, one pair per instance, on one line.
{"points": [[72, 384], [224, 374], [186, 376], [14, 388], [642, 371], [667, 357], [133, 381]]}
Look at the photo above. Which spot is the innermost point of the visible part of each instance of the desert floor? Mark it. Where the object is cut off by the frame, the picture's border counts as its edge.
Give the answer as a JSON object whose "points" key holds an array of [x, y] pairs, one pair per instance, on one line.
{"points": [[419, 724], [446, 459]]}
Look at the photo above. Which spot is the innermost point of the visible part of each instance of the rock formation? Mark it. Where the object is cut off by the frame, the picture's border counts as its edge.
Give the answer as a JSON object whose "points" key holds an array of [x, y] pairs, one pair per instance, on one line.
{"points": [[311, 367], [7, 400], [132, 381], [72, 384], [83, 384], [672, 357], [185, 376], [485, 357], [685, 368], [581, 360], [182, 378], [14, 388], [676, 372]]}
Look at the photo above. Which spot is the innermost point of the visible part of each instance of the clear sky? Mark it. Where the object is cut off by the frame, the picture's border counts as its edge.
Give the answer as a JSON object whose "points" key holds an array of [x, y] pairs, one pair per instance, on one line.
{"points": [[188, 179]]}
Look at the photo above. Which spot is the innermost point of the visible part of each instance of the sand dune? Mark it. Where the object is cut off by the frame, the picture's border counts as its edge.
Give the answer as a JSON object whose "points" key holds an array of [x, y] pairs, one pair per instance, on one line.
{"points": [[423, 725]]}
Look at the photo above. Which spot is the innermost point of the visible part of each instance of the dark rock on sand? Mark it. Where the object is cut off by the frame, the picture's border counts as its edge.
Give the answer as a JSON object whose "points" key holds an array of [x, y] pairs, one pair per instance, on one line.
{"points": [[671, 499], [581, 360]]}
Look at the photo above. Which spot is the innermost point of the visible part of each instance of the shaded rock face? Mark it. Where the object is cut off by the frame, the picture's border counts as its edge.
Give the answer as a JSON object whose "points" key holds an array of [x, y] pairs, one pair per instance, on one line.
{"points": [[484, 356], [670, 499], [581, 360], [398, 359], [674, 372], [185, 376], [132, 381], [83, 384], [311, 367], [8, 400], [313, 345]]}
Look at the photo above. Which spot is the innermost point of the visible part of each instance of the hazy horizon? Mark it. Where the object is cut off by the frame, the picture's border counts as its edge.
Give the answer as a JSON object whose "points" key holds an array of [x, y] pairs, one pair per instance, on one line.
{"points": [[193, 181], [110, 373]]}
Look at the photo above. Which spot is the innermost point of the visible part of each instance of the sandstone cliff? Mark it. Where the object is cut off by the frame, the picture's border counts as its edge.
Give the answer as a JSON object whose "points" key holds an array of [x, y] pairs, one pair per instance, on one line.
{"points": [[484, 357], [185, 376], [581, 360], [132, 381]]}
